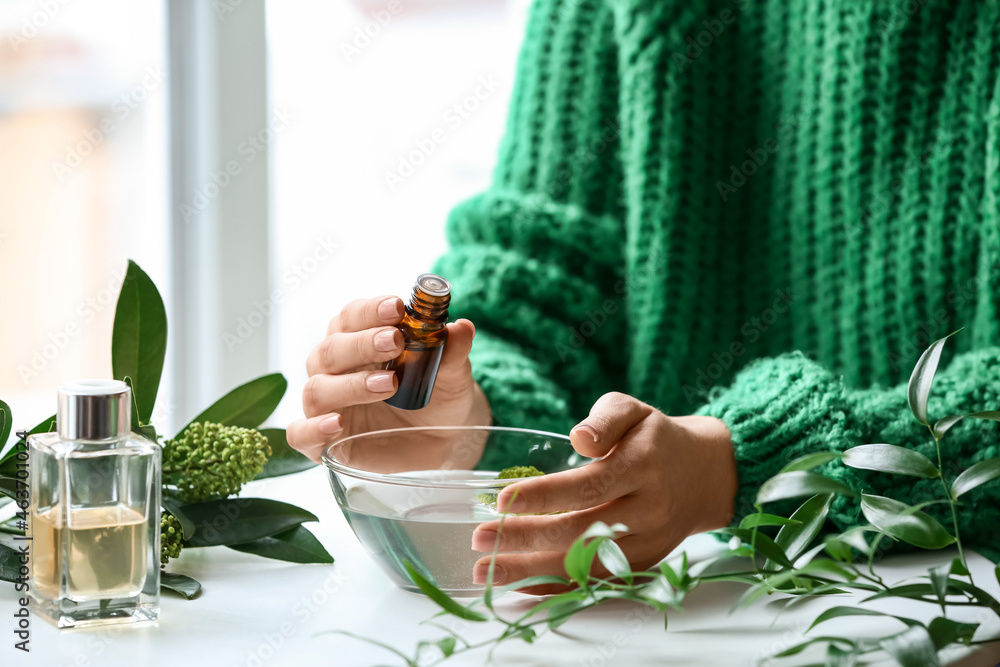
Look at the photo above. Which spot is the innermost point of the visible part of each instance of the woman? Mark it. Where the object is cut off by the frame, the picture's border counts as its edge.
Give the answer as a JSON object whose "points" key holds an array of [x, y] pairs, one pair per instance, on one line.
{"points": [[745, 220]]}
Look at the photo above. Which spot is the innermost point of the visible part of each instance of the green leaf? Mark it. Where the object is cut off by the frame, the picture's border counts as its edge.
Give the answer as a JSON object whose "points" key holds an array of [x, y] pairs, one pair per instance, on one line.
{"points": [[980, 473], [374, 642], [442, 599], [9, 564], [939, 582], [890, 458], [139, 338], [919, 387], [912, 648], [6, 423], [552, 601], [179, 583], [44, 426], [827, 567], [668, 573], [799, 483], [135, 420], [958, 567], [8, 487], [612, 557], [447, 646], [539, 580], [296, 545], [838, 657], [839, 612], [580, 556], [943, 425], [853, 537], [763, 544], [248, 405], [147, 431], [911, 591], [283, 460], [798, 648], [810, 461], [560, 613], [525, 634], [945, 631], [905, 522], [8, 464], [187, 524], [232, 521], [809, 517], [763, 519]]}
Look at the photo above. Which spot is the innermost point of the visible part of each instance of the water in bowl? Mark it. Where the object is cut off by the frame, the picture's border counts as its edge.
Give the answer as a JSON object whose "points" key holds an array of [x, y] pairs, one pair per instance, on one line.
{"points": [[431, 528]]}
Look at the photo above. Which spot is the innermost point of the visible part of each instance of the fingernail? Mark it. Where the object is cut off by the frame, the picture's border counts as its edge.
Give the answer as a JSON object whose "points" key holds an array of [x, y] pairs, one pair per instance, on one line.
{"points": [[481, 571], [483, 539], [331, 424], [588, 429], [385, 341], [379, 382], [389, 309]]}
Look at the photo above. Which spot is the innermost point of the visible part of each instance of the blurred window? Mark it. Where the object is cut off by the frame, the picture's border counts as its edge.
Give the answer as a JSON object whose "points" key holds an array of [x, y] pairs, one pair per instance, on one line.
{"points": [[400, 107], [82, 184]]}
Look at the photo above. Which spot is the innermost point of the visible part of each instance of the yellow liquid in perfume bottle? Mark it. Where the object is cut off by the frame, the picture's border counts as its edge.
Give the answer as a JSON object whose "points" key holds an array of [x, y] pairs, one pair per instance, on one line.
{"points": [[105, 552]]}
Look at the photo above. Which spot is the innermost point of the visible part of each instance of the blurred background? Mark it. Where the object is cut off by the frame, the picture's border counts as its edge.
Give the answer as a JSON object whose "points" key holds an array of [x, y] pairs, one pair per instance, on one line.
{"points": [[263, 162]]}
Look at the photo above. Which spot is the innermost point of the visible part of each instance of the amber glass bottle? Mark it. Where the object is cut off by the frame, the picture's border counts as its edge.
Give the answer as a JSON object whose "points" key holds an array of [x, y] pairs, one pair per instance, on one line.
{"points": [[424, 336]]}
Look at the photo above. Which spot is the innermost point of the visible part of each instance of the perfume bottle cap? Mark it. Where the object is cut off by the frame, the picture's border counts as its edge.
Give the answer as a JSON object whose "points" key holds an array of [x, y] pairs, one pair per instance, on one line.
{"points": [[433, 285], [94, 410]]}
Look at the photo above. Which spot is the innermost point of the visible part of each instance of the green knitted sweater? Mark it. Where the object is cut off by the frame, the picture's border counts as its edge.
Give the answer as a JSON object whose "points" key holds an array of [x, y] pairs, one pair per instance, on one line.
{"points": [[760, 211]]}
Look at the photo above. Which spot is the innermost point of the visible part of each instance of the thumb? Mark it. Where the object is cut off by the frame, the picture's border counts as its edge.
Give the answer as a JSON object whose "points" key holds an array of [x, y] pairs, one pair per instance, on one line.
{"points": [[611, 417], [456, 350]]}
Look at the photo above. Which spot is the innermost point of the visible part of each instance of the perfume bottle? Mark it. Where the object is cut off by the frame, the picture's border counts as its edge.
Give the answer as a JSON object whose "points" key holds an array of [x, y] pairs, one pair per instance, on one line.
{"points": [[424, 336], [95, 512]]}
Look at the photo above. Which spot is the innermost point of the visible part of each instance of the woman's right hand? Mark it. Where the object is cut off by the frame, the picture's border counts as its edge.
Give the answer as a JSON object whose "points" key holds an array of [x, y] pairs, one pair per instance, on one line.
{"points": [[346, 388]]}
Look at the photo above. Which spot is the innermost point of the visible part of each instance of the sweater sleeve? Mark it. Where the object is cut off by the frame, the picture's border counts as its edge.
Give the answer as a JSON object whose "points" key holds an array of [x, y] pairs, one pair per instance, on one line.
{"points": [[780, 408], [535, 261]]}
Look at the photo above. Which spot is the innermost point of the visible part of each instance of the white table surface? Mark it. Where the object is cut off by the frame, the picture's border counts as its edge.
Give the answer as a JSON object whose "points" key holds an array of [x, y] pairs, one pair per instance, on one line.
{"points": [[255, 612]]}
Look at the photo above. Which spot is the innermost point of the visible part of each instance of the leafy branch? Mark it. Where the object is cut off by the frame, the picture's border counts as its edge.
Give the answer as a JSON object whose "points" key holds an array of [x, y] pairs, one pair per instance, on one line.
{"points": [[801, 561], [206, 464]]}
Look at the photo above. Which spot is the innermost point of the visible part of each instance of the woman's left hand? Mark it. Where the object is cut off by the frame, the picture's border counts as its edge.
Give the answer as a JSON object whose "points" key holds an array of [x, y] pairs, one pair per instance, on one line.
{"points": [[663, 477]]}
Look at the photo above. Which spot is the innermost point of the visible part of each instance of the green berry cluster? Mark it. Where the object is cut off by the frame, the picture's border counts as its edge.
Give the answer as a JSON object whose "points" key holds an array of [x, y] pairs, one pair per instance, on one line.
{"points": [[213, 461], [171, 537]]}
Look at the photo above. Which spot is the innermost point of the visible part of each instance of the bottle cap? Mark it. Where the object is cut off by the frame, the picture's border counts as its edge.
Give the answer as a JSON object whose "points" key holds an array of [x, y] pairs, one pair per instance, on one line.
{"points": [[94, 410], [433, 285]]}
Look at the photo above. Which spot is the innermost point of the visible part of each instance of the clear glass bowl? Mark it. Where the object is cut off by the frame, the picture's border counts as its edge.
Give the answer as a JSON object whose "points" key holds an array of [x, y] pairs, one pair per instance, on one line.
{"points": [[417, 494]]}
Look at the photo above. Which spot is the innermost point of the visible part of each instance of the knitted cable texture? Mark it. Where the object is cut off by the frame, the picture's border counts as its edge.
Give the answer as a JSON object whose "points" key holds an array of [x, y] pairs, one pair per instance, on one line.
{"points": [[757, 210]]}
